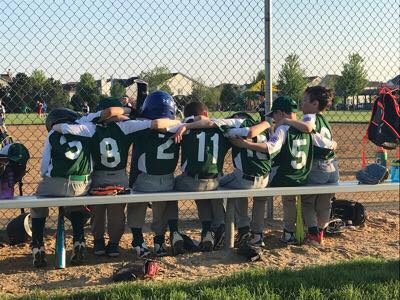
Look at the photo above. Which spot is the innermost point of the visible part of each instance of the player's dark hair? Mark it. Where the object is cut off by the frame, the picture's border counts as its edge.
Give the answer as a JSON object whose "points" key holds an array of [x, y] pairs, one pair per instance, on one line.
{"points": [[194, 108], [321, 94]]}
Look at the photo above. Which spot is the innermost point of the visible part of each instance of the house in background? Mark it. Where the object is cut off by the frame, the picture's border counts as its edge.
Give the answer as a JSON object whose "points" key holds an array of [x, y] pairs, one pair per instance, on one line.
{"points": [[5, 79], [105, 85], [313, 80], [180, 84], [394, 83]]}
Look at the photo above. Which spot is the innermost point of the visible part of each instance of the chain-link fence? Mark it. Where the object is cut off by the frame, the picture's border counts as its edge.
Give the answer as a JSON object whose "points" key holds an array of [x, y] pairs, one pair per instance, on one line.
{"points": [[72, 53]]}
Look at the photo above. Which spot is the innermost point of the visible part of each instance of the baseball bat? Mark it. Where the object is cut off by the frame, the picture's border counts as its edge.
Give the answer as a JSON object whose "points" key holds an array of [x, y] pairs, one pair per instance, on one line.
{"points": [[60, 241], [299, 233]]}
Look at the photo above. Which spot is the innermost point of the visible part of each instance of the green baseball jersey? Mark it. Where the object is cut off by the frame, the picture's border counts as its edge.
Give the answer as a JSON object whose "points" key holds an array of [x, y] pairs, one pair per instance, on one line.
{"points": [[321, 126], [66, 155], [109, 143], [292, 153], [156, 152], [250, 162], [203, 151]]}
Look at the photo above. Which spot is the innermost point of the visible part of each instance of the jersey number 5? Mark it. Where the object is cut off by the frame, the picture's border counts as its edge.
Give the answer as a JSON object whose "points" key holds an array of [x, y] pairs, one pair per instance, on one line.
{"points": [[75, 148], [296, 152]]}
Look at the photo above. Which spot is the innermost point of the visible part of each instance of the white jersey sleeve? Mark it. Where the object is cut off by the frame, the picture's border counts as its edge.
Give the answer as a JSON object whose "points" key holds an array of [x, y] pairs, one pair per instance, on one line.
{"points": [[85, 130], [322, 142], [232, 123], [4, 150], [46, 156], [132, 126], [311, 119], [276, 141], [237, 132], [89, 117]]}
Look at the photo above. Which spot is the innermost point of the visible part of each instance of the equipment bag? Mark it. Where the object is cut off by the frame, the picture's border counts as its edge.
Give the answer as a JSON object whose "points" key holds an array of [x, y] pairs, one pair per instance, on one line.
{"points": [[350, 212], [383, 129]]}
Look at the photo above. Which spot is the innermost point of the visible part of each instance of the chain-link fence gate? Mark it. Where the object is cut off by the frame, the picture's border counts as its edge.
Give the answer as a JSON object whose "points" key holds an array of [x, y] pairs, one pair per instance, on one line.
{"points": [[68, 53]]}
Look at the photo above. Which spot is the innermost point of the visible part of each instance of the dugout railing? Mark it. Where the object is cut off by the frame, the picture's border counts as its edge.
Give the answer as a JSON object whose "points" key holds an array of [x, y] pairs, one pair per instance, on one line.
{"points": [[227, 194]]}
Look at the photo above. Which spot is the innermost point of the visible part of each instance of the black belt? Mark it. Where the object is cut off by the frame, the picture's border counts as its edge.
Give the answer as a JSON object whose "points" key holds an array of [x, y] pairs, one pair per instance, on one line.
{"points": [[203, 176], [249, 177]]}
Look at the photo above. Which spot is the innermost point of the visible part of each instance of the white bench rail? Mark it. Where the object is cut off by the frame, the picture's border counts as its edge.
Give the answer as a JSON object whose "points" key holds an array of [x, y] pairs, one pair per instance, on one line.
{"points": [[342, 187], [134, 197]]}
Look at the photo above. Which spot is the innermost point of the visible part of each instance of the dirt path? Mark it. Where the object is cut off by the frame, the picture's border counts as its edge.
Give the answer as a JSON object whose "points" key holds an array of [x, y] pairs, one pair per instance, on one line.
{"points": [[378, 238]]}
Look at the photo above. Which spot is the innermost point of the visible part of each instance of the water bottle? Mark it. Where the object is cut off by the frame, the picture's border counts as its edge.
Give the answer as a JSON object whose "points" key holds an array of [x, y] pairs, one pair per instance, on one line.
{"points": [[381, 157], [395, 170]]}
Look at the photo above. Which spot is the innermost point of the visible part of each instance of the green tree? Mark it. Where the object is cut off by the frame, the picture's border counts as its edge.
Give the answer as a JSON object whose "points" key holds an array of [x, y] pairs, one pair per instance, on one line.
{"points": [[86, 91], [291, 80], [39, 78], [117, 90], [353, 79], [21, 93], [260, 75], [156, 78], [231, 98], [207, 95], [55, 95]]}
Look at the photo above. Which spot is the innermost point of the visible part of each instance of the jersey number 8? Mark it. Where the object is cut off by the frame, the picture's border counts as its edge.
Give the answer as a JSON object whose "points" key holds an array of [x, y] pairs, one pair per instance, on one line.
{"points": [[110, 156]]}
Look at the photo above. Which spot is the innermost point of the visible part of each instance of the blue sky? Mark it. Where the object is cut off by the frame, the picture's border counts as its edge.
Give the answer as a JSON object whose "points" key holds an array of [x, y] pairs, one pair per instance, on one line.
{"points": [[215, 41]]}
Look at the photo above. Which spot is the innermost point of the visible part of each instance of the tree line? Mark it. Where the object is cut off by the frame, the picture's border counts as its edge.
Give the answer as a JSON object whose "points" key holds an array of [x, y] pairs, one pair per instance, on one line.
{"points": [[24, 91]]}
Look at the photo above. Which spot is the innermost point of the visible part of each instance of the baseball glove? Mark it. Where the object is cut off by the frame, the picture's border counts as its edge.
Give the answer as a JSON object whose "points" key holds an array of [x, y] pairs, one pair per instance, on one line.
{"points": [[252, 253], [372, 174], [109, 190], [139, 270], [188, 243]]}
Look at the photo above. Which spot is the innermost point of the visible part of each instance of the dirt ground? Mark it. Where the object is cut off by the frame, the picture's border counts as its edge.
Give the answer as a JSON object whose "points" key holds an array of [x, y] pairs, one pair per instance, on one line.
{"points": [[378, 238]]}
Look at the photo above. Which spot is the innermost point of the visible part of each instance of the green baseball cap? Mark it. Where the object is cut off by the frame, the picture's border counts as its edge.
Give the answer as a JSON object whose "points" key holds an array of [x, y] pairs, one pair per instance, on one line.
{"points": [[18, 153], [285, 104], [108, 102]]}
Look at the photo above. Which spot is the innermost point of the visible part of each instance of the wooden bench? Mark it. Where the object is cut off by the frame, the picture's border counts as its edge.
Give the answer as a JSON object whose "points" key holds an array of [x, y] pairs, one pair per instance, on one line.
{"points": [[134, 197]]}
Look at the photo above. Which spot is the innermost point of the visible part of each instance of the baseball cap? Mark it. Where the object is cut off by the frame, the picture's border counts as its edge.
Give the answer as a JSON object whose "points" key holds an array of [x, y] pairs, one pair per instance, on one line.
{"points": [[108, 102], [285, 104], [18, 153]]}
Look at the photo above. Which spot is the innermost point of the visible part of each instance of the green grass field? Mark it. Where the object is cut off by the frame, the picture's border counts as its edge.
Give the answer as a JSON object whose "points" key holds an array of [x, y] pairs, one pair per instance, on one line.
{"points": [[333, 116], [357, 279]]}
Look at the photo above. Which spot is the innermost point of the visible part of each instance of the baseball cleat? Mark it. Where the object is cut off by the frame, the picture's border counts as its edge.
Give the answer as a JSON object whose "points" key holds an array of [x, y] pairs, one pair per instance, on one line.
{"points": [[288, 237], [207, 242], [315, 240], [99, 247], [256, 239], [160, 250], [112, 250], [142, 250], [39, 257], [177, 243], [78, 253]]}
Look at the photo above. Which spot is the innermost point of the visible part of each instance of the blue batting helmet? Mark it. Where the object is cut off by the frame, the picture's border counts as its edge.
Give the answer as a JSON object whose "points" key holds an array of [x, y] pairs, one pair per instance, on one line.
{"points": [[158, 105]]}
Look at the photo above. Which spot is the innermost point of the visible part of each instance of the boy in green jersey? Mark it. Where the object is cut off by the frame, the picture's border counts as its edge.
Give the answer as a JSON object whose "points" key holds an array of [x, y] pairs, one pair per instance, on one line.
{"points": [[65, 169], [156, 156], [251, 170], [324, 170], [110, 143], [203, 154], [291, 151]]}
